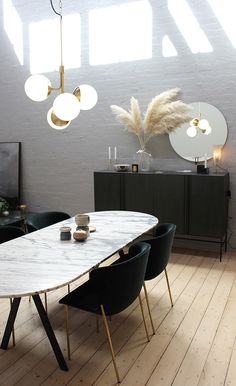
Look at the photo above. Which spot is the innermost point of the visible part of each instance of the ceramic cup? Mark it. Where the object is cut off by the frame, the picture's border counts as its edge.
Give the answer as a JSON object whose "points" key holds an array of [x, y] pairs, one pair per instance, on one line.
{"points": [[82, 220], [65, 233]]}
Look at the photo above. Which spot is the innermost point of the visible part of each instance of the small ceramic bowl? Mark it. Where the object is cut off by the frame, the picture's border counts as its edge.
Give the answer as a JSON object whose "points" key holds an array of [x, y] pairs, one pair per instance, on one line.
{"points": [[80, 235], [122, 167]]}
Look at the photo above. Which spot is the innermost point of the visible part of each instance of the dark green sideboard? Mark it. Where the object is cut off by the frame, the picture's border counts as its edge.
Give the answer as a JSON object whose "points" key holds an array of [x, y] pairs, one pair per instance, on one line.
{"points": [[196, 203]]}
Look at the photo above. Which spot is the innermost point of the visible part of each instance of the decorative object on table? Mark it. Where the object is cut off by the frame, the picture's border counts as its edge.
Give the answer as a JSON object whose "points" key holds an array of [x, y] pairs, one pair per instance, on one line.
{"points": [[122, 167], [82, 222], [217, 154], [201, 169], [4, 206], [65, 233], [22, 210], [143, 159], [66, 106], [112, 161], [80, 235], [134, 168], [164, 114]]}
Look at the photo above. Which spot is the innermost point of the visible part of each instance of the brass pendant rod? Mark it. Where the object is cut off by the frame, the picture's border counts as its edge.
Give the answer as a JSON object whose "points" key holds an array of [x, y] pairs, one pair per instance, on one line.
{"points": [[61, 87], [62, 81]]}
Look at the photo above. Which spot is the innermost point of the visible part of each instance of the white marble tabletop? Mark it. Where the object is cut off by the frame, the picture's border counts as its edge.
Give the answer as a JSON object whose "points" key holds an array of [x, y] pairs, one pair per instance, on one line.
{"points": [[40, 261]]}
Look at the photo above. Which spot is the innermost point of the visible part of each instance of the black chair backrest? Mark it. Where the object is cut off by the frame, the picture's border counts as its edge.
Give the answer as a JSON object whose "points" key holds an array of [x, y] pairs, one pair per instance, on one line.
{"points": [[37, 221], [8, 233], [120, 284], [161, 246]]}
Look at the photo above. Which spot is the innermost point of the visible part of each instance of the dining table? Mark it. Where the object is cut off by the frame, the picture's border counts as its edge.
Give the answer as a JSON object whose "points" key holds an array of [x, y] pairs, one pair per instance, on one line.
{"points": [[40, 261]]}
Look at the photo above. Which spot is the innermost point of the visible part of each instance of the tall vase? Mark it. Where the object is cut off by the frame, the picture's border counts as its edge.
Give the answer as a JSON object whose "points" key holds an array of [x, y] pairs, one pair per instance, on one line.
{"points": [[144, 160]]}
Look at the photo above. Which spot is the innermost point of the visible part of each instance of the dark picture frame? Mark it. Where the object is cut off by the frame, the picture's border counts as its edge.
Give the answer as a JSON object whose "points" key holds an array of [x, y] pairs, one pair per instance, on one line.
{"points": [[10, 172]]}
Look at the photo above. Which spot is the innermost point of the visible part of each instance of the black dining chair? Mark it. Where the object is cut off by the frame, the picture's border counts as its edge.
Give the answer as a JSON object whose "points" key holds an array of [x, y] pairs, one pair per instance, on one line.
{"points": [[35, 221], [8, 233], [161, 246], [110, 290]]}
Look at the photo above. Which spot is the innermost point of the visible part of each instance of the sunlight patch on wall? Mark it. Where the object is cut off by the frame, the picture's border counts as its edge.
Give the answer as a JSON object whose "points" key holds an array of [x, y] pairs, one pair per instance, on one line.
{"points": [[188, 25], [168, 48], [44, 40], [120, 33], [225, 12], [13, 27]]}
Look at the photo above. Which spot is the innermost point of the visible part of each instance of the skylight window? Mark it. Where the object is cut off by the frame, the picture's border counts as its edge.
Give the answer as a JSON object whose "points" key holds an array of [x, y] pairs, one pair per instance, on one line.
{"points": [[225, 12], [45, 44], [13, 28], [189, 26], [120, 33]]}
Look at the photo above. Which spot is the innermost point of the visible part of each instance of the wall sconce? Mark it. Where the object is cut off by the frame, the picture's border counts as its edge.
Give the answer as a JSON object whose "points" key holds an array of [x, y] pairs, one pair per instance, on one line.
{"points": [[66, 106]]}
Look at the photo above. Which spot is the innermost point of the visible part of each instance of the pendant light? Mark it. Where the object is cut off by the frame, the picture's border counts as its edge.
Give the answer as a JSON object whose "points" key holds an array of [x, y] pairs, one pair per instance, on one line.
{"points": [[66, 106], [198, 125]]}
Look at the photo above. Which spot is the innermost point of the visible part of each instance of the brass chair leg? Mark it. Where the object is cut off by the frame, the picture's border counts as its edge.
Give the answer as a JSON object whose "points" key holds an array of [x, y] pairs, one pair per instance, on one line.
{"points": [[30, 299], [68, 286], [144, 322], [13, 330], [148, 307], [168, 285], [67, 331], [110, 343]]}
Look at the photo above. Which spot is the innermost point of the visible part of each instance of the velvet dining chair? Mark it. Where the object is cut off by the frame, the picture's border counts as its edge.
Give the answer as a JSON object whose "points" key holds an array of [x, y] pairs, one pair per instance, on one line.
{"points": [[110, 290], [161, 246], [35, 221], [9, 232]]}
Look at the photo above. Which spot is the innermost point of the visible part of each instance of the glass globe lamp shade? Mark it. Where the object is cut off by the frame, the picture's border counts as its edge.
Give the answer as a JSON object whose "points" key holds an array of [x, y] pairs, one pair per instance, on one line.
{"points": [[192, 131], [37, 87], [203, 124], [66, 106], [87, 95], [208, 130], [55, 122]]}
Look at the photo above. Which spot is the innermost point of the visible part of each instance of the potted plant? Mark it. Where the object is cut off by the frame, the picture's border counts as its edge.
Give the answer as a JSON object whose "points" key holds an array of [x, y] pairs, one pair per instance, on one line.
{"points": [[4, 206]]}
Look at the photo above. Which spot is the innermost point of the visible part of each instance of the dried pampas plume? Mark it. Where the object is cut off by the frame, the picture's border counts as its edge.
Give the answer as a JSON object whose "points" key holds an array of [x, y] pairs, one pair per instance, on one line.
{"points": [[164, 114]]}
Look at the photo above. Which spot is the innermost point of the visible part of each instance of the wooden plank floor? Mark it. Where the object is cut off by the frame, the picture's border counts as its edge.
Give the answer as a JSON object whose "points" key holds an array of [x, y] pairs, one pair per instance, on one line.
{"points": [[194, 344]]}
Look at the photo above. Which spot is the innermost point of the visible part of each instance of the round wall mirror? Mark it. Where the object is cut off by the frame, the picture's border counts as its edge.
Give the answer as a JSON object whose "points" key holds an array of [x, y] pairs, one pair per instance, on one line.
{"points": [[196, 147]]}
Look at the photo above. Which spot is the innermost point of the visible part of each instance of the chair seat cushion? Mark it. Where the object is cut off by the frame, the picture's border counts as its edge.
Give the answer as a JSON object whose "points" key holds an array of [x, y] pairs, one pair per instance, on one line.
{"points": [[86, 297]]}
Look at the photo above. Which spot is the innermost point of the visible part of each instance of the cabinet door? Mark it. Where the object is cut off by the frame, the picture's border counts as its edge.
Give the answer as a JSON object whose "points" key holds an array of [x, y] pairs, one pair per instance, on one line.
{"points": [[208, 205], [107, 191], [139, 192], [171, 200]]}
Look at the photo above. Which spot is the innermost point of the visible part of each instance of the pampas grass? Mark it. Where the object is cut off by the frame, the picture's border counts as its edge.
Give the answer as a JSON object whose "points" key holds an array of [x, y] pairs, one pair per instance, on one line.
{"points": [[164, 114]]}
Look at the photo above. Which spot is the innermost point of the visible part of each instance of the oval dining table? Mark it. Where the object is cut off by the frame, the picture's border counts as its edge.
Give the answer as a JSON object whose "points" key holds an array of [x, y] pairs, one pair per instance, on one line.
{"points": [[40, 262]]}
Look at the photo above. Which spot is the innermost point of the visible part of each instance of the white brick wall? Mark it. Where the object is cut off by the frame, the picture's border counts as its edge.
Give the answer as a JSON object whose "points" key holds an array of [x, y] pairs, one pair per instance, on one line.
{"points": [[57, 167]]}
